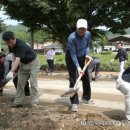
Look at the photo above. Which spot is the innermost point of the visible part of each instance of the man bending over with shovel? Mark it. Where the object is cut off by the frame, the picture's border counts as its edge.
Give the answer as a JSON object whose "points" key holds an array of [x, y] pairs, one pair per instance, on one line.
{"points": [[76, 52]]}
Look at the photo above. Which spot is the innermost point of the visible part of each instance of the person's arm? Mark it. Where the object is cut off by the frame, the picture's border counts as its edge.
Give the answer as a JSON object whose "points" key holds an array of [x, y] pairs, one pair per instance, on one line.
{"points": [[15, 64], [125, 55], [53, 54], [72, 49], [9, 59], [6, 66], [87, 51], [115, 58]]}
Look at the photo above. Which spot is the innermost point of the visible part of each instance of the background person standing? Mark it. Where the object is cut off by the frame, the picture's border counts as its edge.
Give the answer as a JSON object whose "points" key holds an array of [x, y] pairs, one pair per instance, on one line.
{"points": [[50, 60], [76, 51], [122, 56]]}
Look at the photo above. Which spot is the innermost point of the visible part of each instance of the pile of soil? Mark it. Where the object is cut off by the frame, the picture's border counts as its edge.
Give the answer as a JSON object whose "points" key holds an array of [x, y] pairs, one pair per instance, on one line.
{"points": [[49, 116]]}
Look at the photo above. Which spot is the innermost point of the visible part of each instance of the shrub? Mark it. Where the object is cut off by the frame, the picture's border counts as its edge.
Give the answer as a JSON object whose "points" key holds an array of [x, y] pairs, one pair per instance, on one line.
{"points": [[109, 67]]}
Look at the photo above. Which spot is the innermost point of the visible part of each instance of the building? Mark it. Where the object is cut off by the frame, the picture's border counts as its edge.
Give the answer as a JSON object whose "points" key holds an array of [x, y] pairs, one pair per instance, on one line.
{"points": [[43, 48], [125, 39]]}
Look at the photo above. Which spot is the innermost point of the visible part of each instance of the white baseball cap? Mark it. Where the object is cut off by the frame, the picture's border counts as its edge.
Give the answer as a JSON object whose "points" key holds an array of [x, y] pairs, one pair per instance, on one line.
{"points": [[82, 23]]}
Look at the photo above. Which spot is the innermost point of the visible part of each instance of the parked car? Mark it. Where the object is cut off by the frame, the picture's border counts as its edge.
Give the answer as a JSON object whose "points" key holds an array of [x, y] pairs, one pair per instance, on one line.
{"points": [[58, 51]]}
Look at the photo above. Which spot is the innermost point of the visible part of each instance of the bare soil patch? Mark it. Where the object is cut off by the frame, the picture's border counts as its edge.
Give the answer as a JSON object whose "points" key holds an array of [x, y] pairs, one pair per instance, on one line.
{"points": [[50, 116]]}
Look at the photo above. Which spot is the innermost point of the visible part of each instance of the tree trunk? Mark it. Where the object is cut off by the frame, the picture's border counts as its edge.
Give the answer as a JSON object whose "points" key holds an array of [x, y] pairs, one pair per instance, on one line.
{"points": [[102, 47], [32, 38]]}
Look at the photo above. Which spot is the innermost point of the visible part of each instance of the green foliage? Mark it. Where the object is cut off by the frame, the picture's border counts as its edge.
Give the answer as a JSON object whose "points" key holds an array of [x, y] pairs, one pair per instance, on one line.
{"points": [[59, 16], [2, 25], [106, 65], [105, 58], [22, 33], [109, 66], [42, 36]]}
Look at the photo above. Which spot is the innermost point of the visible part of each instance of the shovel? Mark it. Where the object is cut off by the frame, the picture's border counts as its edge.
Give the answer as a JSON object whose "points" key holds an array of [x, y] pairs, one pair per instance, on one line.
{"points": [[3, 83], [72, 91]]}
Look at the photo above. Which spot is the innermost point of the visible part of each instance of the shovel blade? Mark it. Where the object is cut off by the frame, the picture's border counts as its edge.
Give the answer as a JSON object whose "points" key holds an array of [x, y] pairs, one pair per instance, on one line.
{"points": [[3, 83], [70, 93]]}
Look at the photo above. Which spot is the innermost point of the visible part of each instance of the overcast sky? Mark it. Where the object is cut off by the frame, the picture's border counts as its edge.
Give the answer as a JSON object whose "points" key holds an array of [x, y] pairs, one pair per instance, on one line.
{"points": [[7, 20]]}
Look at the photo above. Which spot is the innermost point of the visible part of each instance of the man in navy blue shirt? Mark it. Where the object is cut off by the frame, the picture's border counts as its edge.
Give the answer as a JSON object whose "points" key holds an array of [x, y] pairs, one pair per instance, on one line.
{"points": [[76, 51]]}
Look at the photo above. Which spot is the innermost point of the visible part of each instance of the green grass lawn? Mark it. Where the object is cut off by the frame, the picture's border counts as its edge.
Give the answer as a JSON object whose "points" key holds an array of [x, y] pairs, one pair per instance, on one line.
{"points": [[105, 58], [106, 65]]}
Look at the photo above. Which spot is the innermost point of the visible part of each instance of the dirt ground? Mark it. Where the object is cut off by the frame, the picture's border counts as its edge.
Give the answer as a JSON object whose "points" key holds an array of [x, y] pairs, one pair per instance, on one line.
{"points": [[52, 116]]}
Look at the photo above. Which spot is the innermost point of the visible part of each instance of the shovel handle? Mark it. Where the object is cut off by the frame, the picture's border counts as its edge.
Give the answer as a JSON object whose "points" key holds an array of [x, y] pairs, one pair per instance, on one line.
{"points": [[87, 62]]}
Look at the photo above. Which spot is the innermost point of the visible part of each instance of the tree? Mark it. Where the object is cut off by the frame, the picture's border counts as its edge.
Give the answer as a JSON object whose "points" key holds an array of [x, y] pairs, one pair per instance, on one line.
{"points": [[59, 16], [2, 28], [101, 40], [112, 14], [2, 25]]}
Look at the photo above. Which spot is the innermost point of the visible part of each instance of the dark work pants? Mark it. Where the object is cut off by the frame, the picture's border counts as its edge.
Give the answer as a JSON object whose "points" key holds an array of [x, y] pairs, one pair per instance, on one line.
{"points": [[1, 90], [2, 70], [50, 65], [26, 89], [73, 74]]}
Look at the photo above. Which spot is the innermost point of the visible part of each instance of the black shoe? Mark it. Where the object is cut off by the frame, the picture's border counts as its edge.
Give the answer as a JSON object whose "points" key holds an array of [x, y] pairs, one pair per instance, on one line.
{"points": [[16, 105]]}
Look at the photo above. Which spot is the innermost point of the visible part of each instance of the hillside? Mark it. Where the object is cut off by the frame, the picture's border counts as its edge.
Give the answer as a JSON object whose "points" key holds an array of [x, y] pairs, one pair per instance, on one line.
{"points": [[111, 35]]}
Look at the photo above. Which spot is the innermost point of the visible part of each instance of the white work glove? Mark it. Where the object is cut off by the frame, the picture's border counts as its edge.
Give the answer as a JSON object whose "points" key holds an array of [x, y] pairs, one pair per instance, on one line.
{"points": [[9, 75], [80, 71]]}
